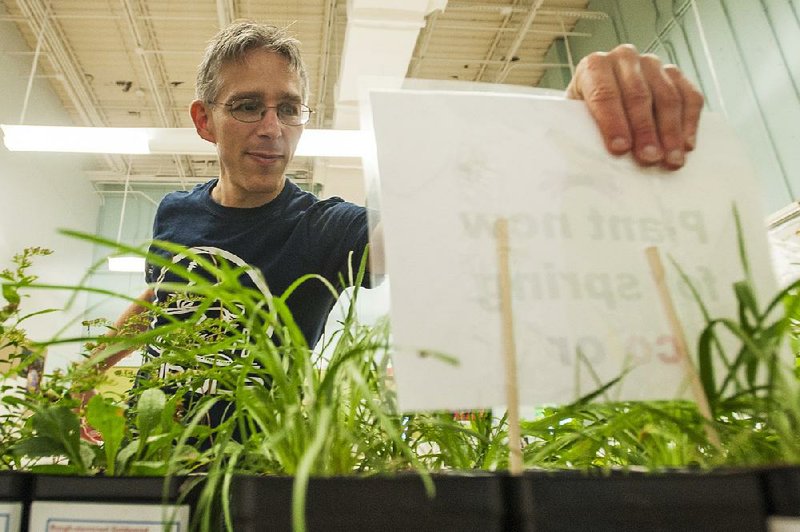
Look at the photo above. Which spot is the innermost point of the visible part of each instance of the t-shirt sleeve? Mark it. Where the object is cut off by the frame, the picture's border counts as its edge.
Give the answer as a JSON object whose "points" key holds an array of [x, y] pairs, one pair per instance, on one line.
{"points": [[341, 235]]}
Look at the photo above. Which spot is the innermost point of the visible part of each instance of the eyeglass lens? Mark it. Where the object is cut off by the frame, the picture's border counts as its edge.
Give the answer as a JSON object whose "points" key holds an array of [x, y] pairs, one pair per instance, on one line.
{"points": [[290, 113]]}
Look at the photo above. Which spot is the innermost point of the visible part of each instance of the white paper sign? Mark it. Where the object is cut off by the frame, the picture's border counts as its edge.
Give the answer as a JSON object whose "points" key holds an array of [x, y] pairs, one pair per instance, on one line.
{"points": [[101, 517], [10, 516], [452, 163]]}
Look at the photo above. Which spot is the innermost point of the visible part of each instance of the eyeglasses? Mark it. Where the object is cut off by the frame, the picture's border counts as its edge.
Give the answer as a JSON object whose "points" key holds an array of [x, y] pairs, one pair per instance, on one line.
{"points": [[249, 110]]}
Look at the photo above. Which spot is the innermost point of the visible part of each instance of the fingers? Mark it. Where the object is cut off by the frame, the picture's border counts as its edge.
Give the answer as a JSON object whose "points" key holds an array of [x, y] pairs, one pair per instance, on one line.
{"points": [[667, 109], [595, 82], [693, 102], [639, 105], [638, 99]]}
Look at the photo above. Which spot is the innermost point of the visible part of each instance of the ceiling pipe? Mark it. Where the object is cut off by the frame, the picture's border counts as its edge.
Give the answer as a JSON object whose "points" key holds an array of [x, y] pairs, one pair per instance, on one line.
{"points": [[512, 50], [128, 192], [507, 12], [225, 13], [167, 120], [124, 201], [34, 64], [329, 17], [504, 8], [495, 62], [66, 65], [476, 29], [568, 49], [153, 84], [85, 105]]}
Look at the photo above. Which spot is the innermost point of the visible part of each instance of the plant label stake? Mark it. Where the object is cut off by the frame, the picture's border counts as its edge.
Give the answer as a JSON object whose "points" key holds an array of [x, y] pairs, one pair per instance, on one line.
{"points": [[509, 347], [657, 270]]}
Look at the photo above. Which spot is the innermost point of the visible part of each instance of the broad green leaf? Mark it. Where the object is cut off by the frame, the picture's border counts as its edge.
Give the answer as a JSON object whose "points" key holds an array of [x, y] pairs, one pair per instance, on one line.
{"points": [[110, 421], [57, 469], [61, 425], [37, 446], [88, 454], [168, 421], [148, 469], [149, 408], [10, 294], [125, 454]]}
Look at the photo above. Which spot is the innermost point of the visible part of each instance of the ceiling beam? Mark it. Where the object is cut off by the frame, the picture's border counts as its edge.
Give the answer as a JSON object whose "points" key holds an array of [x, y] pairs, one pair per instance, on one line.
{"points": [[379, 41], [507, 13], [426, 32], [68, 70], [155, 74], [511, 53]]}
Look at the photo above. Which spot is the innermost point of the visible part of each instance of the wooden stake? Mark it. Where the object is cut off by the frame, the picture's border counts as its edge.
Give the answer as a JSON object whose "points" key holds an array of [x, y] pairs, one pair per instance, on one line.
{"points": [[509, 347], [657, 270]]}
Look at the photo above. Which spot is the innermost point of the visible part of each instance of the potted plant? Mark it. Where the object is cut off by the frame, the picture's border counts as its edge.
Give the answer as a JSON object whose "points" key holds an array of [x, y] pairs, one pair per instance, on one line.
{"points": [[693, 482], [20, 369], [326, 420], [310, 442], [41, 425]]}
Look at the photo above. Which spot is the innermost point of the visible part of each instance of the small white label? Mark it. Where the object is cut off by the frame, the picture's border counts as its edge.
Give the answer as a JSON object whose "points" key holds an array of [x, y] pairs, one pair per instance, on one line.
{"points": [[100, 517], [10, 516], [781, 523]]}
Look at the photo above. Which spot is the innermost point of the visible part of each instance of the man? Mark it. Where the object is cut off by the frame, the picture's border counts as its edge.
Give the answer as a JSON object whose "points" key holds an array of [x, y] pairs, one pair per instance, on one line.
{"points": [[251, 92]]}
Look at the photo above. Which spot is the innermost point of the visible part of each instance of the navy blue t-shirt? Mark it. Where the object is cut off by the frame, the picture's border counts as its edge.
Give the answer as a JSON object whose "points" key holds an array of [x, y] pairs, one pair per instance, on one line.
{"points": [[293, 235]]}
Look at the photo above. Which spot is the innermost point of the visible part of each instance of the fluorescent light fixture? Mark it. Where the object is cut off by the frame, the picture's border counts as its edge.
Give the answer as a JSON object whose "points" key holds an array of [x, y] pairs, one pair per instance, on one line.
{"points": [[76, 139], [126, 264], [332, 143], [182, 141]]}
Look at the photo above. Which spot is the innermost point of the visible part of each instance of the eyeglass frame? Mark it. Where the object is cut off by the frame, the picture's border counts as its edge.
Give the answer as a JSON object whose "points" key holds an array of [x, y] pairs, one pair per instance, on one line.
{"points": [[229, 106]]}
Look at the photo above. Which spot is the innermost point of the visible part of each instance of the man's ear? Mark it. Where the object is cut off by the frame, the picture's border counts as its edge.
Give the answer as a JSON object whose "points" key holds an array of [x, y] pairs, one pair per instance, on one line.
{"points": [[203, 123]]}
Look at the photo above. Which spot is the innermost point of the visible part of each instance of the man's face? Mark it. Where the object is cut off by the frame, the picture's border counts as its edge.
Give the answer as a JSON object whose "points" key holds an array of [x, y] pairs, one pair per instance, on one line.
{"points": [[253, 156]]}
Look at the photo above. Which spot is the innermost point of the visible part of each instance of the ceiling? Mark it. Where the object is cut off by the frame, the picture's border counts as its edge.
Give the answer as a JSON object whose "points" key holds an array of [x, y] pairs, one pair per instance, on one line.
{"points": [[131, 63]]}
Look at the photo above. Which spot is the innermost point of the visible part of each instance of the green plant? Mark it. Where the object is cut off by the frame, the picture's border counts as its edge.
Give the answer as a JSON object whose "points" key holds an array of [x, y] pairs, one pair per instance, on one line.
{"points": [[15, 346], [284, 410], [314, 417], [755, 402]]}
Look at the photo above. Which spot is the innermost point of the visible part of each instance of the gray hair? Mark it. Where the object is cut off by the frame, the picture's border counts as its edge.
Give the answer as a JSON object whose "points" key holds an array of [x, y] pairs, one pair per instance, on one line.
{"points": [[232, 45]]}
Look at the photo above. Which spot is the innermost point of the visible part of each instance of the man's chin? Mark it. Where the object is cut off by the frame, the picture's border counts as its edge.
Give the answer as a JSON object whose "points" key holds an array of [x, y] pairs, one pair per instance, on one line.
{"points": [[268, 185]]}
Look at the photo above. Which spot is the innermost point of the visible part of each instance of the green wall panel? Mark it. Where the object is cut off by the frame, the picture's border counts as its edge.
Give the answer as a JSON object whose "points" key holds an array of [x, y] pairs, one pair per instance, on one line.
{"points": [[743, 54]]}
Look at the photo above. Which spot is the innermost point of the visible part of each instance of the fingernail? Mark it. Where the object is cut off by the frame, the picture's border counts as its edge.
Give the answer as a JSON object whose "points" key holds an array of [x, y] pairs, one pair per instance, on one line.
{"points": [[620, 144], [691, 141], [675, 158], [650, 154]]}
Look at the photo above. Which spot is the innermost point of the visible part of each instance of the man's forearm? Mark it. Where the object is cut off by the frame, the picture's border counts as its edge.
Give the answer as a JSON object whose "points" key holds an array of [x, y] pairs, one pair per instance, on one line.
{"points": [[124, 322]]}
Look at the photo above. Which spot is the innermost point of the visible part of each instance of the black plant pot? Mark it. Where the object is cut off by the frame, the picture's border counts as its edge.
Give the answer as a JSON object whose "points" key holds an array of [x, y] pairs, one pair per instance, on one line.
{"points": [[143, 490], [15, 491], [626, 501], [382, 504], [782, 488]]}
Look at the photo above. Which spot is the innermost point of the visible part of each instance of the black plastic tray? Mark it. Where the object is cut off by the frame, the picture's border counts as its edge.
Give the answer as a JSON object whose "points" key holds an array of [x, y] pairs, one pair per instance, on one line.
{"points": [[143, 490], [627, 501], [382, 504]]}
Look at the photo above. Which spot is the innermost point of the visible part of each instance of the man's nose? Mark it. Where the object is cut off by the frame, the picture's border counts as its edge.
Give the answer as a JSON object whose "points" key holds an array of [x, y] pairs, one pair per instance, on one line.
{"points": [[270, 124]]}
